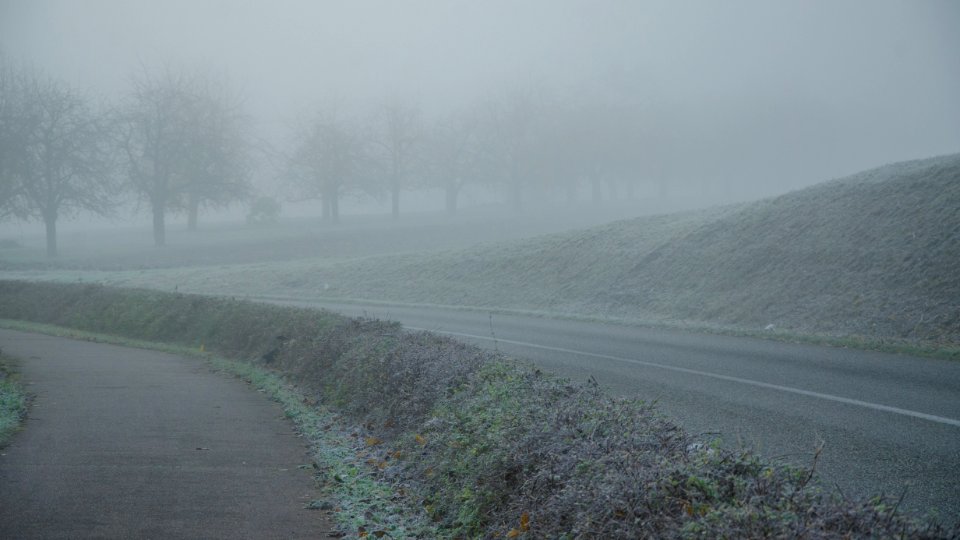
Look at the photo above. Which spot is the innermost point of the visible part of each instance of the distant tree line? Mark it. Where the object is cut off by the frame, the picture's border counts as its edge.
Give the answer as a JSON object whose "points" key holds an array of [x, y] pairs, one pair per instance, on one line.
{"points": [[180, 142], [519, 142]]}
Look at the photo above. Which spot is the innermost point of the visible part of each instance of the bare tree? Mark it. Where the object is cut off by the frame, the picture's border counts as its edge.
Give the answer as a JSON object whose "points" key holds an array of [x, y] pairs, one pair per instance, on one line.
{"points": [[398, 133], [185, 144], [328, 161], [218, 166], [156, 140], [56, 156], [559, 151], [510, 138], [451, 155]]}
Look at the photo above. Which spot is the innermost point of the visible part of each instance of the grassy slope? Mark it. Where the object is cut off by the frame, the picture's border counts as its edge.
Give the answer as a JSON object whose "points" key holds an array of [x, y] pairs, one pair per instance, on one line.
{"points": [[874, 254]]}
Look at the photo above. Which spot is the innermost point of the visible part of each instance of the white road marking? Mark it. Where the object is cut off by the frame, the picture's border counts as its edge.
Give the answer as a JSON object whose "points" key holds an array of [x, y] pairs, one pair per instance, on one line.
{"points": [[751, 382]]}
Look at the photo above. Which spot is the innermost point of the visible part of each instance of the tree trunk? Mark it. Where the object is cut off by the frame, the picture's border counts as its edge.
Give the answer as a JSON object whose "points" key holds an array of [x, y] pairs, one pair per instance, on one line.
{"points": [[50, 220], [192, 212], [159, 226], [335, 209]]}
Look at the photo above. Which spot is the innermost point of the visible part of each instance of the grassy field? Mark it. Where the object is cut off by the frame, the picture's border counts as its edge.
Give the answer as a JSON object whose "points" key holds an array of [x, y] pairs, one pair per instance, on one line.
{"points": [[869, 258], [424, 437]]}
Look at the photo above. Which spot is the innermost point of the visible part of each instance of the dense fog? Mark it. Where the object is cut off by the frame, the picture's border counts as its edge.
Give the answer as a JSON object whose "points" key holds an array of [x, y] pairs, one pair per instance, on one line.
{"points": [[517, 103]]}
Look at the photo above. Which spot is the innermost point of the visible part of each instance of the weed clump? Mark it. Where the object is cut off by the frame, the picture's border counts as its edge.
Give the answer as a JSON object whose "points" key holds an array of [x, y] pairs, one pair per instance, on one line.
{"points": [[514, 452], [13, 403]]}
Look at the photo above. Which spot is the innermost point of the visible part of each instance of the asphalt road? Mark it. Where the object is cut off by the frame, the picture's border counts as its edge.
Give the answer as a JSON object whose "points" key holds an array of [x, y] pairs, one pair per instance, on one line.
{"points": [[128, 443], [888, 423]]}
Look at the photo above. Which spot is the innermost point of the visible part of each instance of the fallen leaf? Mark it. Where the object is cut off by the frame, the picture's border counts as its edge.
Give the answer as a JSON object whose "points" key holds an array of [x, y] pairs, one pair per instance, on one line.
{"points": [[525, 521], [513, 533], [372, 441], [420, 439]]}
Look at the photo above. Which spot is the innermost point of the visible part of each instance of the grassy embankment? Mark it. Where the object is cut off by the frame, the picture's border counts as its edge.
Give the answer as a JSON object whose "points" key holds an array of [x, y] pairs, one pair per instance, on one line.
{"points": [[474, 444], [869, 261]]}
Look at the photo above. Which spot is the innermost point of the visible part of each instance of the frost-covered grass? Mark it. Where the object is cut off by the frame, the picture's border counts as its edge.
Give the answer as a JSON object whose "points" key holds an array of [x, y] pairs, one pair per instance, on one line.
{"points": [[13, 401], [420, 436], [868, 260]]}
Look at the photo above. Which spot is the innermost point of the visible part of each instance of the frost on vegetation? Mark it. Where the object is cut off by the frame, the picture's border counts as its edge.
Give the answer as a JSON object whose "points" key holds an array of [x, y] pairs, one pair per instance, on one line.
{"points": [[13, 403], [418, 435], [354, 492]]}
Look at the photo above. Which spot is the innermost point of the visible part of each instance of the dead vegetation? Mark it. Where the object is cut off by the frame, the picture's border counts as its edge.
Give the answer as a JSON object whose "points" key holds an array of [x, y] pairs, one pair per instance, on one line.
{"points": [[487, 447]]}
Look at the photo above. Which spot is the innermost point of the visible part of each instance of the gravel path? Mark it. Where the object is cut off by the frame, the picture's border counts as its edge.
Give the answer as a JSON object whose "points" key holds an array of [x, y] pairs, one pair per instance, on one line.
{"points": [[129, 443]]}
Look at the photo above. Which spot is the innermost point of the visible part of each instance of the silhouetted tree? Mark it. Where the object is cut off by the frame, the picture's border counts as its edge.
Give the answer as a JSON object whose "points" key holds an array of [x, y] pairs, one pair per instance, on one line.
{"points": [[156, 138], [185, 145], [397, 135], [329, 160], [509, 138], [218, 165], [55, 152], [451, 157]]}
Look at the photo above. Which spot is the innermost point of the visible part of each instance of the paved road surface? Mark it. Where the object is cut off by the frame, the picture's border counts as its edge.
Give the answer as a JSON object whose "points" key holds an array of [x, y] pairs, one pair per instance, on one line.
{"points": [[888, 423], [127, 443]]}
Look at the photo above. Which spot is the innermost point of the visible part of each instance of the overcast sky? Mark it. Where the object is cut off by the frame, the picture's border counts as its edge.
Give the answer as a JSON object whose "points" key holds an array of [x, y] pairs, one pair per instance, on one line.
{"points": [[820, 87]]}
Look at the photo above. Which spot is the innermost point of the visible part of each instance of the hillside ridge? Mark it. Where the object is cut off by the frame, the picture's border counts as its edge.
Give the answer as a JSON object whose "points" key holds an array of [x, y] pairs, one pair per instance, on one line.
{"points": [[872, 254]]}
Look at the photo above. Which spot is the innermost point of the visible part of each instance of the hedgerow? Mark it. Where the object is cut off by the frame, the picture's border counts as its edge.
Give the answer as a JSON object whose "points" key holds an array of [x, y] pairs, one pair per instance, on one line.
{"points": [[486, 446]]}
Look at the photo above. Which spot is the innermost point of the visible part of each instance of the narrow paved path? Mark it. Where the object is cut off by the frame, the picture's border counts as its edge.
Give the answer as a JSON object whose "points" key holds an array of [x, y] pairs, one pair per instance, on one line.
{"points": [[128, 443]]}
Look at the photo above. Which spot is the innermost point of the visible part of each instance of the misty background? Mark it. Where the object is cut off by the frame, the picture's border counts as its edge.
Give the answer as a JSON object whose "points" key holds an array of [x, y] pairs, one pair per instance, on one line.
{"points": [[731, 100]]}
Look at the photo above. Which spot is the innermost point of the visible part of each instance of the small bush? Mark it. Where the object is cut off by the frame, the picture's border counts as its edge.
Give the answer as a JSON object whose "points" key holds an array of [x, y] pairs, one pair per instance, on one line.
{"points": [[13, 404]]}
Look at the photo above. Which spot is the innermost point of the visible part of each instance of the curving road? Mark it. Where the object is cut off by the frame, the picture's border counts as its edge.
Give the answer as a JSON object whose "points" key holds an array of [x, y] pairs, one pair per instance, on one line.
{"points": [[888, 423]]}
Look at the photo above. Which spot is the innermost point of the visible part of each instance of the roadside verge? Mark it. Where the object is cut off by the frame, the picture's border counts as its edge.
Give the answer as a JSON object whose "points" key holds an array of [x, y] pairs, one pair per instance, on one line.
{"points": [[474, 444]]}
